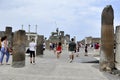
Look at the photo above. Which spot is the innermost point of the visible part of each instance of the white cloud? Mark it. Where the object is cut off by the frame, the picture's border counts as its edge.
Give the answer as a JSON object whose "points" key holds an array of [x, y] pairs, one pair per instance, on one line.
{"points": [[72, 16]]}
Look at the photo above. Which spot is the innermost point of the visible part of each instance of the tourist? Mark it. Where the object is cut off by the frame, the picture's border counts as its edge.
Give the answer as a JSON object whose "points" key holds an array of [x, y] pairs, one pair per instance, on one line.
{"points": [[4, 49], [97, 46], [50, 45], [44, 46], [71, 49], [55, 46], [32, 47], [86, 50], [77, 50], [58, 50]]}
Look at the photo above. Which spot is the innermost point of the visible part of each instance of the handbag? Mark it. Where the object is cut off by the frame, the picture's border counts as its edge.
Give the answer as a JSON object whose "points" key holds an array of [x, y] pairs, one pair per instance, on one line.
{"points": [[28, 50]]}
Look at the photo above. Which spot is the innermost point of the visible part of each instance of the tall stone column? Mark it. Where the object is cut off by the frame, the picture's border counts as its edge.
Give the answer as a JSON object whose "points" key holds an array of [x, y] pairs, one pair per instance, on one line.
{"points": [[117, 38], [19, 46], [40, 40], [8, 33], [107, 40]]}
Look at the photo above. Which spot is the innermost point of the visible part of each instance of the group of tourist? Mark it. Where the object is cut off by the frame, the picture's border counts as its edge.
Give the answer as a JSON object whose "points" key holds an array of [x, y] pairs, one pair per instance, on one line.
{"points": [[52, 45], [6, 50], [94, 46], [71, 48]]}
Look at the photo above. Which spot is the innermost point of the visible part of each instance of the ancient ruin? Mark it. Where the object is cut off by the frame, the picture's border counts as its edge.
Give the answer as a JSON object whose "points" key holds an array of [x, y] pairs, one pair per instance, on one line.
{"points": [[58, 36], [39, 49], [107, 40], [117, 50], [19, 45]]}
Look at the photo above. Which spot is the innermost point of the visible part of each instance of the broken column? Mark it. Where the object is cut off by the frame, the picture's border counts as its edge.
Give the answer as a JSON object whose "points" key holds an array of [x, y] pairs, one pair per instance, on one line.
{"points": [[107, 40], [19, 41], [117, 51], [8, 33], [40, 40]]}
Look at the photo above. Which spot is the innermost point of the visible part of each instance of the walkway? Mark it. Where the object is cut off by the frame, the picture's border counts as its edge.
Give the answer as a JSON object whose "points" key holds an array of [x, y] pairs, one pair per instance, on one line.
{"points": [[47, 67]]}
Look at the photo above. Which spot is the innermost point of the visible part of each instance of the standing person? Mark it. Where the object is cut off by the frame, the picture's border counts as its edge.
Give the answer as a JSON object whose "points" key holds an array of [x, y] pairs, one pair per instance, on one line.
{"points": [[77, 50], [44, 46], [55, 46], [71, 48], [97, 46], [86, 51], [58, 50], [50, 45], [32, 47], [4, 49]]}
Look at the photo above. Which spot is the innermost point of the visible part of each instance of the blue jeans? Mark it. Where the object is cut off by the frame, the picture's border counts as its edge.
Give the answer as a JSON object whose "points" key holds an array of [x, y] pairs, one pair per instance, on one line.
{"points": [[4, 52]]}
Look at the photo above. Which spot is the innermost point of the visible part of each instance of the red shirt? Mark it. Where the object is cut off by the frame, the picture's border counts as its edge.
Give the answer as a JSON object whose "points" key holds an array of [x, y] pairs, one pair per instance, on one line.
{"points": [[59, 48]]}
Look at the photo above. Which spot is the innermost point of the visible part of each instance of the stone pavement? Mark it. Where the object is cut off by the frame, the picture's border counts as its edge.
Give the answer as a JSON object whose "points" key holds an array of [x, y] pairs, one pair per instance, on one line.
{"points": [[47, 67]]}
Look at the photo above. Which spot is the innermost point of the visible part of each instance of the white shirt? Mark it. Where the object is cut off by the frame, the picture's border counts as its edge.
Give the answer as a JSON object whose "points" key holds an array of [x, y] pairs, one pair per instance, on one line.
{"points": [[44, 45], [32, 46], [3, 44]]}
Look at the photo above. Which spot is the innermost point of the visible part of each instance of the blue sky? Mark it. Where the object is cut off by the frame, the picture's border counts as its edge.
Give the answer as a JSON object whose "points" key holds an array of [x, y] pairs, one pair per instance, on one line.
{"points": [[80, 18]]}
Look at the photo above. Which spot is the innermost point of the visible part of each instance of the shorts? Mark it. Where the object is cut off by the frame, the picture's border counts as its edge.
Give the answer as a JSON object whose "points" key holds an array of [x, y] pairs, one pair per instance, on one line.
{"points": [[71, 52], [58, 52], [32, 54]]}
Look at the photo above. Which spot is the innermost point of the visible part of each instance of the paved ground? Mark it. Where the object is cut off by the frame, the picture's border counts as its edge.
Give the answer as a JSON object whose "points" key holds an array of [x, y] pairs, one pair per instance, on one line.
{"points": [[47, 67]]}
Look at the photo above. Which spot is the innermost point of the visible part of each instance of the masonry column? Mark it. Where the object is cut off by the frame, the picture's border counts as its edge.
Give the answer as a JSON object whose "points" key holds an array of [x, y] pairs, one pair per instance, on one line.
{"points": [[19, 41], [40, 40], [117, 56], [8, 33], [107, 40]]}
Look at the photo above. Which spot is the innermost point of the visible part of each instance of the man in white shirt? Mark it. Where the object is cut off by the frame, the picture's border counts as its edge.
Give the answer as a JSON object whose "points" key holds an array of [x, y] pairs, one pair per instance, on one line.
{"points": [[32, 47]]}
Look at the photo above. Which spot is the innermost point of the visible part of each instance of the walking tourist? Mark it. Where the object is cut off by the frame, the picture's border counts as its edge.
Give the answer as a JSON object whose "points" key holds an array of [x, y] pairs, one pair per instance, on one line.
{"points": [[58, 50], [71, 48], [86, 50]]}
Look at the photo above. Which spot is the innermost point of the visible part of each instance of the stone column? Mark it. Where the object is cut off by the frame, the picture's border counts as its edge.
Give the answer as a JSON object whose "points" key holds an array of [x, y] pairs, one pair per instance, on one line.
{"points": [[117, 38], [8, 33], [40, 40], [19, 46], [107, 40]]}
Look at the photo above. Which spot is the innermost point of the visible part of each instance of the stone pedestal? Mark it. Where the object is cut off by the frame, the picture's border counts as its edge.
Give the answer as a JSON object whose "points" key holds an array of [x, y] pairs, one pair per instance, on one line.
{"points": [[40, 40], [117, 51], [19, 41], [107, 40]]}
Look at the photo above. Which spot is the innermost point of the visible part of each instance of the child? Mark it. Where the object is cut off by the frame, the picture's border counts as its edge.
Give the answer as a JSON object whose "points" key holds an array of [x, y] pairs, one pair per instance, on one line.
{"points": [[58, 50]]}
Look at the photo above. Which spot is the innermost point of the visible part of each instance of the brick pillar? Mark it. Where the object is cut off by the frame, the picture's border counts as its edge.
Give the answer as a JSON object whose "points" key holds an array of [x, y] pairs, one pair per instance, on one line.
{"points": [[40, 40], [117, 38], [19, 41], [107, 40]]}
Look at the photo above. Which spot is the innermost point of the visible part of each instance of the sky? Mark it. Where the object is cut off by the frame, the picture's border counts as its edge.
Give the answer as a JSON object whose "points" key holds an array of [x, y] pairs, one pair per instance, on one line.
{"points": [[80, 18]]}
